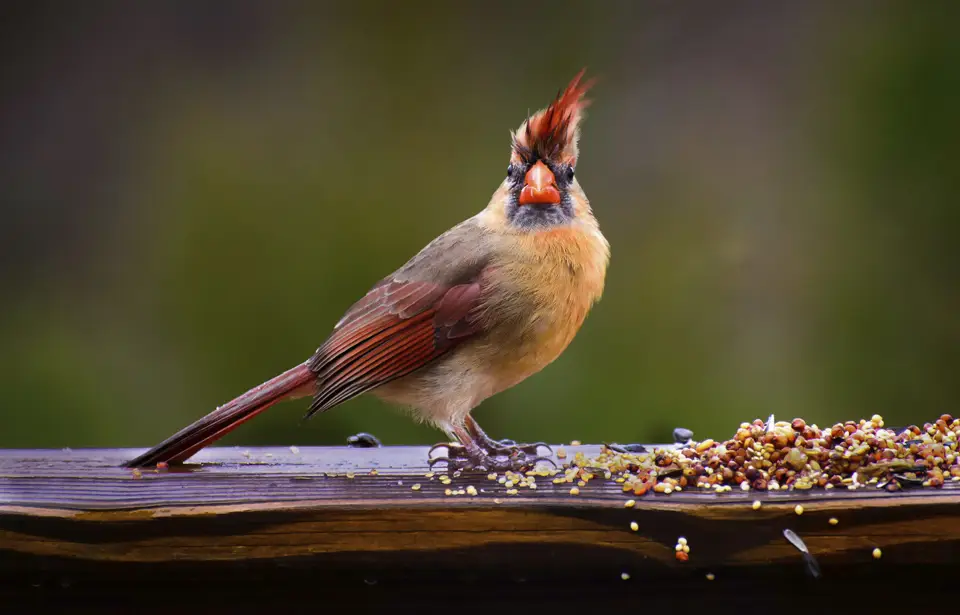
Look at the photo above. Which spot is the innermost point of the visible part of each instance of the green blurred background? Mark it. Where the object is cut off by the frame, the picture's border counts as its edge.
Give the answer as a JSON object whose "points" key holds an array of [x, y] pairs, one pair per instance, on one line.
{"points": [[193, 193]]}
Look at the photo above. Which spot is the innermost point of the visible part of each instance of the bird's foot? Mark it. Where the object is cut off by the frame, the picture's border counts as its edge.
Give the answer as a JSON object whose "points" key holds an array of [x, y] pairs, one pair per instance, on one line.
{"points": [[508, 447], [498, 458]]}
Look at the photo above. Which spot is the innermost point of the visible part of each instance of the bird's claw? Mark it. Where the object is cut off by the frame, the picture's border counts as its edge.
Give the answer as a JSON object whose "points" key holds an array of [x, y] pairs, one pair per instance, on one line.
{"points": [[450, 446], [495, 459], [514, 449], [435, 460]]}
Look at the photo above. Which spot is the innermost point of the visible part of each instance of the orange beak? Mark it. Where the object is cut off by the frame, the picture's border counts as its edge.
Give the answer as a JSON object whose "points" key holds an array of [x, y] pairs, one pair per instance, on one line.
{"points": [[540, 187]]}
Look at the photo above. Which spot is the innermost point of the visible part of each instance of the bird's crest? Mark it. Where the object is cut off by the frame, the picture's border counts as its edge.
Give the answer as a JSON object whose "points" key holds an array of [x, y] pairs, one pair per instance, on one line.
{"points": [[552, 133]]}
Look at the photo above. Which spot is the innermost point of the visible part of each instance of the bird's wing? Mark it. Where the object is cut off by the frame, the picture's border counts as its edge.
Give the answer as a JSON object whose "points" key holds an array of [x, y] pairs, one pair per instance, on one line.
{"points": [[395, 329], [412, 317]]}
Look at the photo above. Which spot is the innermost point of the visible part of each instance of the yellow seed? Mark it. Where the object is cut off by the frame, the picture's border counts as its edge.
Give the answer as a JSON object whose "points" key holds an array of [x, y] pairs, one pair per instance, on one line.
{"points": [[634, 526], [877, 553], [492, 476], [350, 474], [428, 475], [575, 491], [757, 504], [561, 453], [416, 487], [575, 443], [834, 521], [497, 501], [798, 509], [629, 503], [294, 450], [373, 472], [447, 491], [512, 492], [624, 576], [710, 576], [686, 548], [471, 490], [682, 541]]}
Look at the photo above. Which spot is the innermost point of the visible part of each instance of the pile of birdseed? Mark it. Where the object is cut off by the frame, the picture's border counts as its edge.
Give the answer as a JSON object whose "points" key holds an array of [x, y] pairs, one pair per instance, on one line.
{"points": [[768, 456]]}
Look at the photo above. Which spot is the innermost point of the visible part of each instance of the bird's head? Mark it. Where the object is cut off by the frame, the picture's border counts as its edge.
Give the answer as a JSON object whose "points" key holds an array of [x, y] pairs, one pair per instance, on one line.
{"points": [[541, 190]]}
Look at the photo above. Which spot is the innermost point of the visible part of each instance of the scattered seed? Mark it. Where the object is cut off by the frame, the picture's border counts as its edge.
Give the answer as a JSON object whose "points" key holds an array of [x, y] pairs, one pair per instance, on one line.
{"points": [[561, 453], [625, 576], [756, 505], [295, 450], [575, 491], [798, 509], [471, 490], [512, 492], [877, 553], [776, 455], [682, 541], [833, 521], [813, 568], [629, 503], [416, 487], [710, 576], [634, 526], [575, 443]]}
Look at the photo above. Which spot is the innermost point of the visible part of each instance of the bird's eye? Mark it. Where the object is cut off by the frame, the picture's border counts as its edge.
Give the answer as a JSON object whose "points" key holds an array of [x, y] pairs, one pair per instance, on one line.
{"points": [[569, 174], [511, 171]]}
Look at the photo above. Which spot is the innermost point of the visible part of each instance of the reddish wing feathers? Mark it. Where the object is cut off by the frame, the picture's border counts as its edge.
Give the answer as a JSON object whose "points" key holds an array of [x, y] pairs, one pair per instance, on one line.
{"points": [[395, 329], [549, 132]]}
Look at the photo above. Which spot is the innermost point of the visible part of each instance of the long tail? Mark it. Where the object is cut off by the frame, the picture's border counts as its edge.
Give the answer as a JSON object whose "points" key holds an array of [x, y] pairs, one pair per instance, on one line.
{"points": [[291, 384]]}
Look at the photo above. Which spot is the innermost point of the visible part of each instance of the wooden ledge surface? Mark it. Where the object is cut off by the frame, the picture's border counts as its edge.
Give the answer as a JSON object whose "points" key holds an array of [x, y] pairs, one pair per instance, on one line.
{"points": [[323, 509]]}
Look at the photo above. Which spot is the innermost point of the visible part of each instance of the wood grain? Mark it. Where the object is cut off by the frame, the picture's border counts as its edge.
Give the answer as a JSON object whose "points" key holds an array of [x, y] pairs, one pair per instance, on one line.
{"points": [[242, 512]]}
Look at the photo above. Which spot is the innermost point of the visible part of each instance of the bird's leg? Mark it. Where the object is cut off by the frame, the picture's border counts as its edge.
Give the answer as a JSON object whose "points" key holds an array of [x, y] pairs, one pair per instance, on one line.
{"points": [[501, 447], [474, 454]]}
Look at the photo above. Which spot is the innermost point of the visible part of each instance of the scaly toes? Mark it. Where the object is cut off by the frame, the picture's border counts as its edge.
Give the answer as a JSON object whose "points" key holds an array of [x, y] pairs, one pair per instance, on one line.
{"points": [[518, 449], [453, 449]]}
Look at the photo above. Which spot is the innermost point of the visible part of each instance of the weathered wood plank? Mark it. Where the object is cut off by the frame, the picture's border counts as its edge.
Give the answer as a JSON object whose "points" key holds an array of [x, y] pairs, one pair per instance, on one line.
{"points": [[240, 513]]}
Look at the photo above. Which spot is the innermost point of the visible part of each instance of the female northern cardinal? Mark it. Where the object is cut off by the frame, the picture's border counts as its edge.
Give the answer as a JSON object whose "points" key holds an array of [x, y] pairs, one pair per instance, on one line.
{"points": [[482, 307]]}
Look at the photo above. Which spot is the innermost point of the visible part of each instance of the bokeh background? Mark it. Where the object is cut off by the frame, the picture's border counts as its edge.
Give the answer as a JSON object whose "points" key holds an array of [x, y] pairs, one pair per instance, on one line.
{"points": [[191, 194]]}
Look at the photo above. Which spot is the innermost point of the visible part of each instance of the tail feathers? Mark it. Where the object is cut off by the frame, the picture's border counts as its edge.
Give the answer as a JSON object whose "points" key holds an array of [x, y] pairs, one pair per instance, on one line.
{"points": [[293, 383]]}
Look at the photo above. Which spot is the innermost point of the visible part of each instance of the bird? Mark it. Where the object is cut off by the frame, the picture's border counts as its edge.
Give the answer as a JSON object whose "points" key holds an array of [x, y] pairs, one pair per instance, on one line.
{"points": [[479, 309]]}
